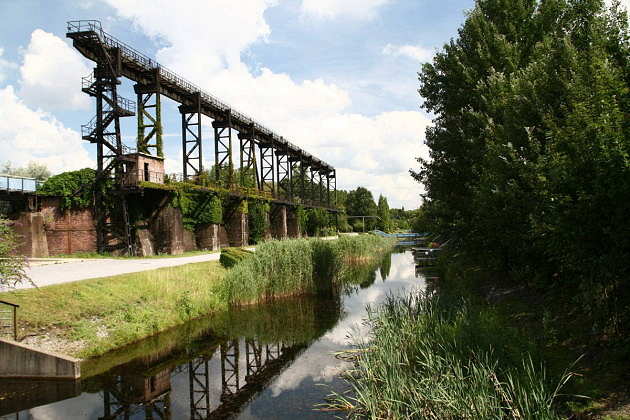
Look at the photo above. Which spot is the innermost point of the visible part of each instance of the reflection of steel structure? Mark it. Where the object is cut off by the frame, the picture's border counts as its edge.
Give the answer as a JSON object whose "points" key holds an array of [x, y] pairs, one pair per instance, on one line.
{"points": [[138, 397], [229, 368], [262, 363]]}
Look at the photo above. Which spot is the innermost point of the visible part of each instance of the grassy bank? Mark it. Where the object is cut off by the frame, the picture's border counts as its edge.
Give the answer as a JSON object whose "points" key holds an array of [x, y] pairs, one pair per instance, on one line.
{"points": [[90, 317], [298, 267], [439, 359]]}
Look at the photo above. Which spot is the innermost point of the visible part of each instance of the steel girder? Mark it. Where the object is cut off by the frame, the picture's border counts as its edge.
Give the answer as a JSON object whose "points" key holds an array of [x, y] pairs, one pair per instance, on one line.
{"points": [[192, 147], [267, 170], [150, 116], [229, 368], [199, 381], [283, 172], [223, 148], [248, 163]]}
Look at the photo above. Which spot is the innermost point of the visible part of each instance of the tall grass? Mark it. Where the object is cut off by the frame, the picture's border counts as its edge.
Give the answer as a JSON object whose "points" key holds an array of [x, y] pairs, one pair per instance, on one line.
{"points": [[424, 359], [297, 267]]}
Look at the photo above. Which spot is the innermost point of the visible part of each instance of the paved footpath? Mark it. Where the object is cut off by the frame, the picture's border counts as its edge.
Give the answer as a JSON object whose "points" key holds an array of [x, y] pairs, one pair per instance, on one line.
{"points": [[47, 271]]}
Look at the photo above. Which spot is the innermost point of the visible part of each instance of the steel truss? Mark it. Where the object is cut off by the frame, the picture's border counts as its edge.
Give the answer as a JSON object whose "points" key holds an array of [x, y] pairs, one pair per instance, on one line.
{"points": [[223, 148], [248, 166], [150, 116], [192, 150], [283, 172], [253, 357], [118, 402], [229, 368], [267, 170], [199, 379]]}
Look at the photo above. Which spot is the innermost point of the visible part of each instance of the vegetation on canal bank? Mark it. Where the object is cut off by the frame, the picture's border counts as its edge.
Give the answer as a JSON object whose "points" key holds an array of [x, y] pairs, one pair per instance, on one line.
{"points": [[429, 357], [297, 267], [91, 317]]}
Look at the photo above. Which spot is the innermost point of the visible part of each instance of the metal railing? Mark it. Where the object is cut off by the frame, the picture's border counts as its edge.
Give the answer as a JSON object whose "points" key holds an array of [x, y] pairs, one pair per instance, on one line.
{"points": [[12, 183], [8, 318], [169, 76]]}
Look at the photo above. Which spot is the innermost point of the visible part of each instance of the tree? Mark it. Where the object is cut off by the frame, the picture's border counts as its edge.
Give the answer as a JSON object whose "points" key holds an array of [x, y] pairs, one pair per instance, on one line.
{"points": [[31, 170], [530, 143], [361, 203], [11, 266], [384, 221]]}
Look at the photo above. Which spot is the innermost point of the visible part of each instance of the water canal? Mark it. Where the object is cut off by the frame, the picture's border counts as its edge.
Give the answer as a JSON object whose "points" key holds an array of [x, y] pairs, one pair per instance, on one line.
{"points": [[269, 361]]}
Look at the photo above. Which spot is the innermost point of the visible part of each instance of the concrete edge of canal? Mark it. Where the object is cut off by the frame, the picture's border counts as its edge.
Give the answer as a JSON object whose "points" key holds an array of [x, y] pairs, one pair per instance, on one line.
{"points": [[21, 361]]}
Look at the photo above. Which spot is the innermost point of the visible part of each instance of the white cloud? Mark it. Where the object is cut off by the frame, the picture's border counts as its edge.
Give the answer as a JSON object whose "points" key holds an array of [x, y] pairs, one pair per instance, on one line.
{"points": [[624, 3], [33, 135], [371, 151], [50, 74], [5, 66], [415, 52], [330, 9]]}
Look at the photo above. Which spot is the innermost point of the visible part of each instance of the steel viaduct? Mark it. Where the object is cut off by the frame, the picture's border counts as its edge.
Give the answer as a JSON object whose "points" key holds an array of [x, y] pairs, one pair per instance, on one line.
{"points": [[279, 170]]}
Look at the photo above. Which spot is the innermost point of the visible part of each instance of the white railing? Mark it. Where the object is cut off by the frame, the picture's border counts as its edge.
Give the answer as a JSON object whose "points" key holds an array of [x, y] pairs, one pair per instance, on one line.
{"points": [[18, 183]]}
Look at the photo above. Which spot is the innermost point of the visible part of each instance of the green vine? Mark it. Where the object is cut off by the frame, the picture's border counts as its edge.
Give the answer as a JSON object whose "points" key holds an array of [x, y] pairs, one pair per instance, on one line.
{"points": [[258, 220], [198, 208], [75, 189]]}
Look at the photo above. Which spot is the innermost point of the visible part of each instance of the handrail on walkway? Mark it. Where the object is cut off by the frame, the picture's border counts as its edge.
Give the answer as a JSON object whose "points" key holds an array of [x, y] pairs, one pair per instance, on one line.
{"points": [[18, 183], [14, 309]]}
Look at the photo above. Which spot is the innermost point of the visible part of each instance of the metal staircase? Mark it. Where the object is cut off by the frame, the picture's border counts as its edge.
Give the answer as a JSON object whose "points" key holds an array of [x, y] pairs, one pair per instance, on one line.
{"points": [[113, 230]]}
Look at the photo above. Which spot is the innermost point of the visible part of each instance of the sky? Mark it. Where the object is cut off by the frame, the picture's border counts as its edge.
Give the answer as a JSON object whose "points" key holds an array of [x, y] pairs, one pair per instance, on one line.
{"points": [[336, 77]]}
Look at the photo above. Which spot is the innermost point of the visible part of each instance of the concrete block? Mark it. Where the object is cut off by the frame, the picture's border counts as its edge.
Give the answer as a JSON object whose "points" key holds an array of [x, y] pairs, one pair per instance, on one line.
{"points": [[21, 361]]}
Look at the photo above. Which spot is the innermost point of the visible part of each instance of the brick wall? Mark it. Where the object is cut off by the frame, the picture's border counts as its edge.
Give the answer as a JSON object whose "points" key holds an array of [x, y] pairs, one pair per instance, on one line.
{"points": [[69, 231]]}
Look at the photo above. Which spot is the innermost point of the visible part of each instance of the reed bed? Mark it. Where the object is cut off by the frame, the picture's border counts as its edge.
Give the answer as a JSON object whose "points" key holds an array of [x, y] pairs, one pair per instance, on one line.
{"points": [[425, 359], [297, 267]]}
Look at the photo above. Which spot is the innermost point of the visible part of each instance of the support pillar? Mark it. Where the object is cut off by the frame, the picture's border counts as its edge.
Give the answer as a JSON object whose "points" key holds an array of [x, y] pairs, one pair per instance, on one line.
{"points": [[267, 172], [279, 222], [249, 168], [150, 116], [293, 224], [192, 150], [223, 150], [237, 227], [283, 171]]}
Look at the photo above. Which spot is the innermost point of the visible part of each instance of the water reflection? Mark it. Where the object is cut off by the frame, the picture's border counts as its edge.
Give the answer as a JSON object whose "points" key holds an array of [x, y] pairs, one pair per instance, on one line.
{"points": [[266, 361]]}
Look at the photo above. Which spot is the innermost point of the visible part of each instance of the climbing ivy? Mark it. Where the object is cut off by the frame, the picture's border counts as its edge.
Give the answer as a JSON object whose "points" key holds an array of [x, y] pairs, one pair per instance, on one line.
{"points": [[198, 208], [74, 188], [258, 220]]}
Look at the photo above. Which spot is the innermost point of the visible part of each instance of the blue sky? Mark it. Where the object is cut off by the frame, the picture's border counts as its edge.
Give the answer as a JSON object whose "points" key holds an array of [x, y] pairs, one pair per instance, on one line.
{"points": [[337, 77]]}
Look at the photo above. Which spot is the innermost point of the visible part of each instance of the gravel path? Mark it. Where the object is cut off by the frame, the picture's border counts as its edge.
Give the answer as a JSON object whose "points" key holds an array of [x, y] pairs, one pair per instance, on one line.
{"points": [[44, 272]]}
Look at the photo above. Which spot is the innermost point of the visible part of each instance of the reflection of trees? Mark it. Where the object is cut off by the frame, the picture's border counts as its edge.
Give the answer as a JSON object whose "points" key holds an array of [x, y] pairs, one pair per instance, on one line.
{"points": [[386, 266]]}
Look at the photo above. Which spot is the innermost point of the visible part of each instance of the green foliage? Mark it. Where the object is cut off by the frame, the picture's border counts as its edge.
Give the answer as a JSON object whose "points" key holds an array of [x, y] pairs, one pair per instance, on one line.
{"points": [[530, 147], [32, 170], [231, 256], [198, 208], [445, 360], [258, 213], [75, 188], [11, 266], [361, 203], [384, 222], [317, 220]]}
